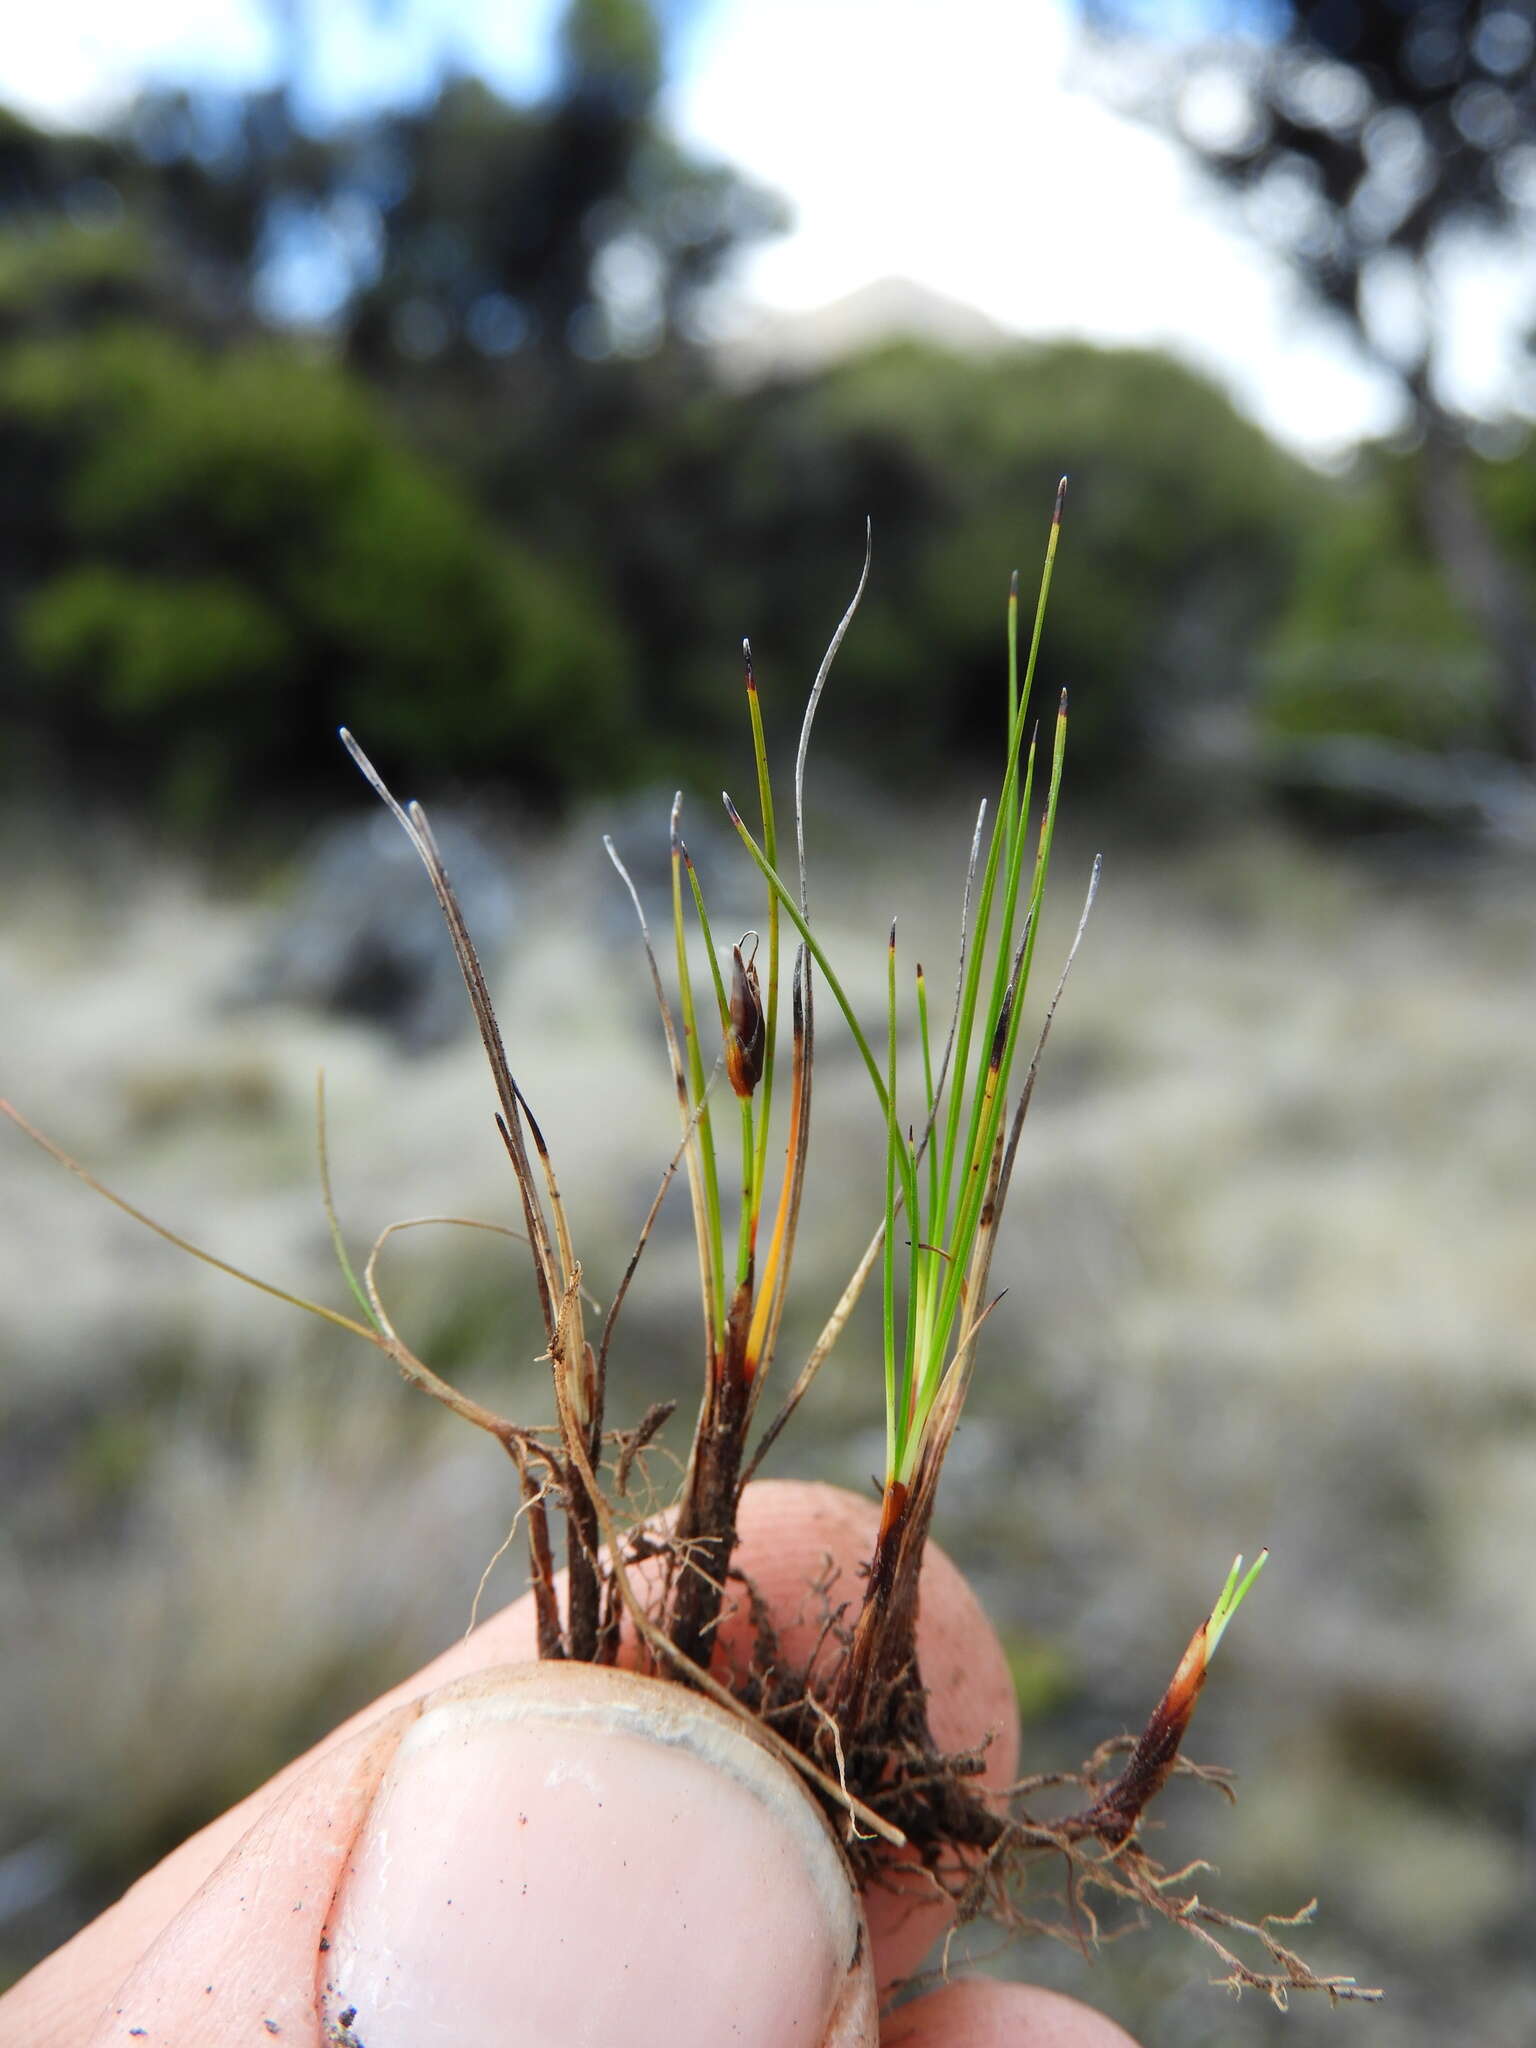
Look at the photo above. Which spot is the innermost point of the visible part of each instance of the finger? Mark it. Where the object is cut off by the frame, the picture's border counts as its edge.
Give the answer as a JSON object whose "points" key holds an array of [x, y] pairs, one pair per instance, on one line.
{"points": [[57, 2004], [793, 1536], [629, 1863], [237, 1962], [982, 2014], [543, 1853]]}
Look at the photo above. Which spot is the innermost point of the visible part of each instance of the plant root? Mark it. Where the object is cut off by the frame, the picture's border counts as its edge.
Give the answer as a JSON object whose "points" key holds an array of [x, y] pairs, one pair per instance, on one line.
{"points": [[988, 1852]]}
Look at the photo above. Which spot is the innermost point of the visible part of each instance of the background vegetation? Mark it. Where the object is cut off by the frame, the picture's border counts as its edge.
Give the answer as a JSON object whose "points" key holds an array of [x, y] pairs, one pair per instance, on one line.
{"points": [[417, 417]]}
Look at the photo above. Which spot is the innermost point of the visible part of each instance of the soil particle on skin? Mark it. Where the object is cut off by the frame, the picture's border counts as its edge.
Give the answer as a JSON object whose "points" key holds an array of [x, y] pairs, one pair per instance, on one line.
{"points": [[339, 2032]]}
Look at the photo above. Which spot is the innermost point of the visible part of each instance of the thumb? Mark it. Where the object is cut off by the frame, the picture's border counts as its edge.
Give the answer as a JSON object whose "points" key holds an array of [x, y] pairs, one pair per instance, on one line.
{"points": [[546, 1853]]}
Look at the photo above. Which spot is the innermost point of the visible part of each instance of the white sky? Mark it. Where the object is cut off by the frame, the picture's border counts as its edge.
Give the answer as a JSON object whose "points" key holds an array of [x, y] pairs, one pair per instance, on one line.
{"points": [[945, 143]]}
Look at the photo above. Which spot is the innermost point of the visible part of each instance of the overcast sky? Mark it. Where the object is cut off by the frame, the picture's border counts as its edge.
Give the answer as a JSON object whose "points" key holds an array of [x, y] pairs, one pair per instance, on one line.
{"points": [[944, 143]]}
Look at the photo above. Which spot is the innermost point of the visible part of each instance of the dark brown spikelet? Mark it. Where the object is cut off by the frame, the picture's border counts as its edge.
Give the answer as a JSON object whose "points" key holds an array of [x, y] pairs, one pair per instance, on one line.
{"points": [[744, 1041]]}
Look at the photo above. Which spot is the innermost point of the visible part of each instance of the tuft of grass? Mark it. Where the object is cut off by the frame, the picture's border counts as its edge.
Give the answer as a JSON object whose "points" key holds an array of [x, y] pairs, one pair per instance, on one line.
{"points": [[952, 1126]]}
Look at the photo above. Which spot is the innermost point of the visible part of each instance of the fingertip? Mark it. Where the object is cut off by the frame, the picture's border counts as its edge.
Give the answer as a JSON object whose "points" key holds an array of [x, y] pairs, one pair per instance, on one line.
{"points": [[979, 2013], [596, 1853]]}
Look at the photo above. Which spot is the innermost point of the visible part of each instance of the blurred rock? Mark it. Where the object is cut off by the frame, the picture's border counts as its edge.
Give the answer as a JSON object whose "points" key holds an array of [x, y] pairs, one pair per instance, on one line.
{"points": [[1367, 784], [362, 936]]}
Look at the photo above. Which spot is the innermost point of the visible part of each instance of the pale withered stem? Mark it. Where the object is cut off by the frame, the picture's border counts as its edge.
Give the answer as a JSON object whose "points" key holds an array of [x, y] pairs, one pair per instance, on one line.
{"points": [[610, 1321], [485, 1018], [569, 1360], [490, 1033], [541, 1561], [810, 712], [567, 1348], [411, 1367]]}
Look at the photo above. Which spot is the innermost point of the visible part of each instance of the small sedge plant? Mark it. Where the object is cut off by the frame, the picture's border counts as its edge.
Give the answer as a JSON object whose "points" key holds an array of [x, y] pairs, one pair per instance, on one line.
{"points": [[855, 1722]]}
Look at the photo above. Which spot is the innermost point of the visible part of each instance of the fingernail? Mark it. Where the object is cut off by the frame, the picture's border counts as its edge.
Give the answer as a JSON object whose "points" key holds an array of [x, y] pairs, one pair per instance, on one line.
{"points": [[560, 1854]]}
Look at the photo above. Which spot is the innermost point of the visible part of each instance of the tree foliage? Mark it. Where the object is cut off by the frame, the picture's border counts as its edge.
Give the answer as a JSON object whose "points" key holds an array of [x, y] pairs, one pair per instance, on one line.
{"points": [[222, 556], [1189, 516], [1371, 144], [489, 500], [1368, 138]]}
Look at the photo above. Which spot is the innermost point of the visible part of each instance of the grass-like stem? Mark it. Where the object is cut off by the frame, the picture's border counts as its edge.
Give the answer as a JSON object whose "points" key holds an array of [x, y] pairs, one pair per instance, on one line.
{"points": [[707, 1216], [1233, 1594], [771, 1007], [840, 994], [895, 1383], [185, 1244], [991, 1098], [690, 1110], [751, 1186], [328, 1200]]}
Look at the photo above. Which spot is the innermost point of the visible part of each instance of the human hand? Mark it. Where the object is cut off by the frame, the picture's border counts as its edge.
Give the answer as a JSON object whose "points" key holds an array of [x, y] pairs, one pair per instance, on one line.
{"points": [[499, 1853]]}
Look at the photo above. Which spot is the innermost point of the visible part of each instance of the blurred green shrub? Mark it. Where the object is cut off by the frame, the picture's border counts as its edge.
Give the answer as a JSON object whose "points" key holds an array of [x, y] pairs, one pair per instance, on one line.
{"points": [[222, 555], [60, 277], [212, 555], [146, 644], [1185, 525], [1373, 644], [502, 510]]}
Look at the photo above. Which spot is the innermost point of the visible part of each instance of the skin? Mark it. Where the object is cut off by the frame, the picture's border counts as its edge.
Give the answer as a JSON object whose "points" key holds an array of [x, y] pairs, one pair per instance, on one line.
{"points": [[219, 1943]]}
